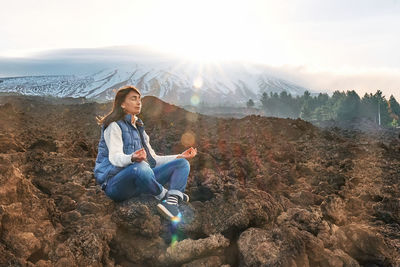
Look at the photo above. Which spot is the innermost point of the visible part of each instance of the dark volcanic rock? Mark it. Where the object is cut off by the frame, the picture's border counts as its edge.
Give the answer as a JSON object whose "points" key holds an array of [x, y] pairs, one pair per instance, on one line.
{"points": [[138, 216], [287, 247], [205, 262], [264, 192], [188, 249]]}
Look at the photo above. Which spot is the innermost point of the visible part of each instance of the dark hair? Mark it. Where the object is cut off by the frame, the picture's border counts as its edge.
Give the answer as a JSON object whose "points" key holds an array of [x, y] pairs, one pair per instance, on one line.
{"points": [[117, 112]]}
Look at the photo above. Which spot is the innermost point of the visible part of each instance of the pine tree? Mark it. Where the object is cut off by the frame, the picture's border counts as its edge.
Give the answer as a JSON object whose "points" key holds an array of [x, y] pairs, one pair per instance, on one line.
{"points": [[250, 103], [394, 107], [349, 107], [306, 112], [264, 102], [368, 107], [382, 109]]}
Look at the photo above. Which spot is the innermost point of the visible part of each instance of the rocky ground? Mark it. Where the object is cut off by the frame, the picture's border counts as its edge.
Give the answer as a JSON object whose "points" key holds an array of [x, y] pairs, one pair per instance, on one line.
{"points": [[264, 192]]}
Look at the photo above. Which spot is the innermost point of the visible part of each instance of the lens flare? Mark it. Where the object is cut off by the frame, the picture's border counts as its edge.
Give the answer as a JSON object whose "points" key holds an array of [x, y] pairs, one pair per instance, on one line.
{"points": [[176, 219], [195, 100], [174, 229], [174, 240], [198, 83], [188, 139]]}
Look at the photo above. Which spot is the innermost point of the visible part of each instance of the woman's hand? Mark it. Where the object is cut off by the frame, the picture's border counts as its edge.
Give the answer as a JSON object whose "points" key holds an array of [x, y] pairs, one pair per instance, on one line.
{"points": [[139, 155], [188, 154]]}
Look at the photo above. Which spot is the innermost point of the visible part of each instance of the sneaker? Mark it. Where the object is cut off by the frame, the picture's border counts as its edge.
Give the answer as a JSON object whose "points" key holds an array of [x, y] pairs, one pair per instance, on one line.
{"points": [[169, 211], [185, 198]]}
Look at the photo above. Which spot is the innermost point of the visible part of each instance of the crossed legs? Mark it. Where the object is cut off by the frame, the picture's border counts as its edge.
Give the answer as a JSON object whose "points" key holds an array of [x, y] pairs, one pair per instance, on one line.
{"points": [[138, 178]]}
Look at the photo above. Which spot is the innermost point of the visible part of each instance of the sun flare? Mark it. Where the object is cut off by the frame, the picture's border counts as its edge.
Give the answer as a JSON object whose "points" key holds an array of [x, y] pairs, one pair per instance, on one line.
{"points": [[210, 31]]}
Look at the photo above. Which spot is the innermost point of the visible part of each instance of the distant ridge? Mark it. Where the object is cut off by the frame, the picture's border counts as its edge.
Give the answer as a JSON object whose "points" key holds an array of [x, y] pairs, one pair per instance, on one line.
{"points": [[87, 74]]}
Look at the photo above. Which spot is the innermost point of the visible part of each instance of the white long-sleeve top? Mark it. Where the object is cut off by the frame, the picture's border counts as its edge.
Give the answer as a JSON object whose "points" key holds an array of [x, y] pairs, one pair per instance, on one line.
{"points": [[116, 155]]}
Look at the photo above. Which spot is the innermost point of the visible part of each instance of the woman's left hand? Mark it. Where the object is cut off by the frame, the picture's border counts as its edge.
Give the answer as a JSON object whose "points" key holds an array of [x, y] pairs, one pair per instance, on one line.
{"points": [[188, 153]]}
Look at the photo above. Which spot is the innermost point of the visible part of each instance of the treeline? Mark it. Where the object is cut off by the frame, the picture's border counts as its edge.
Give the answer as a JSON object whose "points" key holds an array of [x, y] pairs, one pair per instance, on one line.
{"points": [[340, 106]]}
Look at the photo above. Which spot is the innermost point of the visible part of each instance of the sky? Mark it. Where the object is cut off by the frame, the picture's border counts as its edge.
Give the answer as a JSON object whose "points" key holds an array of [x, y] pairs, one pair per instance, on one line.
{"points": [[323, 45]]}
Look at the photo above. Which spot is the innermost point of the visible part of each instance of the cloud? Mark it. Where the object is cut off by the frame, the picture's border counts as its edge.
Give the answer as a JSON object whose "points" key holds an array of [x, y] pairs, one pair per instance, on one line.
{"points": [[88, 61], [78, 61], [361, 80]]}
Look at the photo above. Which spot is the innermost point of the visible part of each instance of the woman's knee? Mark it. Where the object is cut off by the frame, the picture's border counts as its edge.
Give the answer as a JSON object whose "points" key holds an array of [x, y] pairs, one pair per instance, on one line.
{"points": [[183, 163], [142, 170]]}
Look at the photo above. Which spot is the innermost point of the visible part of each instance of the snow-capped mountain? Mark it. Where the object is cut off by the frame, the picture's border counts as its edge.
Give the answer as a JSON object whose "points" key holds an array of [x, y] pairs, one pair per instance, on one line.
{"points": [[181, 83]]}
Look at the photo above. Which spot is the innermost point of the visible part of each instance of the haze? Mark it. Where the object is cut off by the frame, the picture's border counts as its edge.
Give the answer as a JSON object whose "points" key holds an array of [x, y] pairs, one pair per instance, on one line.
{"points": [[322, 45]]}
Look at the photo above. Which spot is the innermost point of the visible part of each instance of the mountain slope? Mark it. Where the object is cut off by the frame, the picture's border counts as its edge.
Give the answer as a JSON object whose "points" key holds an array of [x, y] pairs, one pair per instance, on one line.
{"points": [[180, 83]]}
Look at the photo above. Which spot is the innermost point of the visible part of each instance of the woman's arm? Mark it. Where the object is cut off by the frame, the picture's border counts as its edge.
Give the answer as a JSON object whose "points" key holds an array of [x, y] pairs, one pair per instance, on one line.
{"points": [[188, 153], [113, 138], [159, 159]]}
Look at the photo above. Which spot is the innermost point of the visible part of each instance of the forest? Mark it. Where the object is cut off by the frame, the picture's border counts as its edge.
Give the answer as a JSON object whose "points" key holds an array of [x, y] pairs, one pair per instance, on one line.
{"points": [[341, 106]]}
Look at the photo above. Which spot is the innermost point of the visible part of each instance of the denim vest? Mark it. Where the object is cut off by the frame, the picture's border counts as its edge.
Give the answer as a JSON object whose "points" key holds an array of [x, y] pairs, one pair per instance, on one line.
{"points": [[103, 169]]}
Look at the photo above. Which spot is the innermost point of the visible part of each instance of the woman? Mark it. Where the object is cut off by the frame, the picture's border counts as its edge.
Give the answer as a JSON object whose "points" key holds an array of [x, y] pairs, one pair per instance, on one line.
{"points": [[127, 166]]}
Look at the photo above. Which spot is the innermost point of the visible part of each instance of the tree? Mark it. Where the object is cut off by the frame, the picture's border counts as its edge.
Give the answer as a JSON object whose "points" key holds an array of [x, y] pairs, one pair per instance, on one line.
{"points": [[306, 95], [306, 112], [368, 107], [322, 99], [250, 103], [382, 109], [288, 107], [337, 96], [264, 100], [394, 108], [349, 107], [274, 104], [324, 113]]}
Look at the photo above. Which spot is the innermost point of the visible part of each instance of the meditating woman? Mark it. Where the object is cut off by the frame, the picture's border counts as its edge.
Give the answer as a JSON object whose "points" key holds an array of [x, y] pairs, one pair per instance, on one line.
{"points": [[127, 166]]}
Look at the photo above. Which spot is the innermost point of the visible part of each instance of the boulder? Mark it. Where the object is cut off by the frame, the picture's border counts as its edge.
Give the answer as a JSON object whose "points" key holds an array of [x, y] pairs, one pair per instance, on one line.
{"points": [[188, 249]]}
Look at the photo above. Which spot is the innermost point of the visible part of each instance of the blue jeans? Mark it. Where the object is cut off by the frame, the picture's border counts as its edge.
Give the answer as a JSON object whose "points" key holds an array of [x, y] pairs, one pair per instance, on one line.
{"points": [[138, 178]]}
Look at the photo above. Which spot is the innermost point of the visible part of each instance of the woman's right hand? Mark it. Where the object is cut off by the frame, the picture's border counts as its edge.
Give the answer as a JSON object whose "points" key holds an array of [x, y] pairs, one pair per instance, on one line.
{"points": [[139, 155]]}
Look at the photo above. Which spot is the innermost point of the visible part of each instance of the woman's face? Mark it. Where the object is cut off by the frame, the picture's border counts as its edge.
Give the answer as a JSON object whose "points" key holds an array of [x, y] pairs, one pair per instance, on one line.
{"points": [[132, 103]]}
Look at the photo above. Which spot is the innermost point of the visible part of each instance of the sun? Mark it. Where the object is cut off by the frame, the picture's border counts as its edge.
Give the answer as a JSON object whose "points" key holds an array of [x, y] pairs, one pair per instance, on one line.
{"points": [[208, 31]]}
